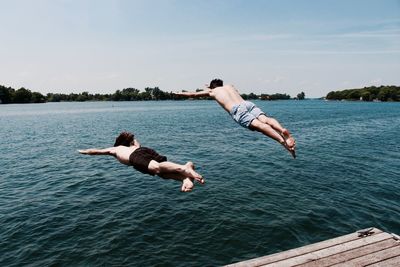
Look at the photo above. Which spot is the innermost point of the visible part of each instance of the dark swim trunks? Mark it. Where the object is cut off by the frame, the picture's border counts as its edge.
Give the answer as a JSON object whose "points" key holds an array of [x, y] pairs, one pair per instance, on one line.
{"points": [[141, 157]]}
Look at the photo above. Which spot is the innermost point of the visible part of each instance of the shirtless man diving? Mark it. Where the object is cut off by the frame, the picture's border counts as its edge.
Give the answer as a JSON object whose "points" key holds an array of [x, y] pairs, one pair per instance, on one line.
{"points": [[127, 150], [246, 113]]}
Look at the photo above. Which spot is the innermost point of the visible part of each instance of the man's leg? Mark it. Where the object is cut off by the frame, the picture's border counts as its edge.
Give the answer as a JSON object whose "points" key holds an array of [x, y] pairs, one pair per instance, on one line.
{"points": [[168, 167], [184, 173], [271, 122], [187, 183], [278, 127], [267, 130]]}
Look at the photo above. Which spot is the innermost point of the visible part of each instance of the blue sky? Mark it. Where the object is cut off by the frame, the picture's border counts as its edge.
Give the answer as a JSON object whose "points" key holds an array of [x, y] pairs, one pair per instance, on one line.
{"points": [[259, 46]]}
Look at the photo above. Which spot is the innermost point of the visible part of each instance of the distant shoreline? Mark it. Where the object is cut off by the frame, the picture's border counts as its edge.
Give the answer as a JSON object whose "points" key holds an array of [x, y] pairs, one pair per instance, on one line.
{"points": [[10, 95], [383, 93]]}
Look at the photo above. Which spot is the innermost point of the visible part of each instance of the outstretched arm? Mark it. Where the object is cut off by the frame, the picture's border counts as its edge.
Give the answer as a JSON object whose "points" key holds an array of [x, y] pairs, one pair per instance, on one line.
{"points": [[94, 151], [195, 94]]}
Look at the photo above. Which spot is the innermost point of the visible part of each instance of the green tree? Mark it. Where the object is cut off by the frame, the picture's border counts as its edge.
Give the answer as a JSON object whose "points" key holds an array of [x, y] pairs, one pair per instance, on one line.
{"points": [[117, 96], [252, 96], [301, 96], [353, 95], [84, 96], [6, 94], [38, 98], [382, 93], [366, 96], [279, 97], [22, 95]]}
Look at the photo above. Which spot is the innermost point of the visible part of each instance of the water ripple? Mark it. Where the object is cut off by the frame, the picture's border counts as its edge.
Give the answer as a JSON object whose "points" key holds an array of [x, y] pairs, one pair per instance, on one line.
{"points": [[58, 207]]}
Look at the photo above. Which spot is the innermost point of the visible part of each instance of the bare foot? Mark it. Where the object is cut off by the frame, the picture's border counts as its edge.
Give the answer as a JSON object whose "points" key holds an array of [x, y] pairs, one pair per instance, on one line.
{"points": [[288, 142], [191, 173], [187, 185], [292, 151]]}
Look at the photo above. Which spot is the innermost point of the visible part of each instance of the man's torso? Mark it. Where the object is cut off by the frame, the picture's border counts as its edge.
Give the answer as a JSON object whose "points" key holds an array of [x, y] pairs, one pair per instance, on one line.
{"points": [[227, 96], [123, 153]]}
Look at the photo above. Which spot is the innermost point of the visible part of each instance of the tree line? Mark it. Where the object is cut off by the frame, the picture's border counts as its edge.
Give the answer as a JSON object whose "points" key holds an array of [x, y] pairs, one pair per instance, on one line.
{"points": [[10, 95], [372, 93], [22, 95]]}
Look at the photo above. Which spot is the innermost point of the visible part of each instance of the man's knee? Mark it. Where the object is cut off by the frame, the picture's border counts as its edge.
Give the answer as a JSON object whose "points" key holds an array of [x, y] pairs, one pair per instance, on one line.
{"points": [[263, 117]]}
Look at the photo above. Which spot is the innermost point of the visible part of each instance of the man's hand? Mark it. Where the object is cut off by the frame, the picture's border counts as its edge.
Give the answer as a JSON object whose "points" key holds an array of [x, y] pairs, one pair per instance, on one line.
{"points": [[84, 151]]}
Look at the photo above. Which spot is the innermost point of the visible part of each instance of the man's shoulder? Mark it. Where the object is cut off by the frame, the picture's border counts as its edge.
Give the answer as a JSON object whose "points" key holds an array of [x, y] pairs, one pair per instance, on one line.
{"points": [[224, 88], [119, 149], [123, 151]]}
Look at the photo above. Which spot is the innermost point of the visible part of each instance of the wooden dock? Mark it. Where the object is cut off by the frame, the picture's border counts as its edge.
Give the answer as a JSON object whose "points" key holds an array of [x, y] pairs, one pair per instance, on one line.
{"points": [[368, 247]]}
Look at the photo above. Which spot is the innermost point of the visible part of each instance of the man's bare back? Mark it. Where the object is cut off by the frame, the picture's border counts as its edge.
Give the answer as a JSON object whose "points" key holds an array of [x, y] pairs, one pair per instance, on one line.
{"points": [[122, 153], [227, 96]]}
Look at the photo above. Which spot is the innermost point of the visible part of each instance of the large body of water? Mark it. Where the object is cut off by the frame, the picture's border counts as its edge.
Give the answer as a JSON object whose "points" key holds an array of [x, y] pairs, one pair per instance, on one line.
{"points": [[60, 208]]}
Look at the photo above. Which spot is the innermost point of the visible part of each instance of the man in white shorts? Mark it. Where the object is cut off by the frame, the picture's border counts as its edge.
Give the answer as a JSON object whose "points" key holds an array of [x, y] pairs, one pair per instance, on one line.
{"points": [[246, 113]]}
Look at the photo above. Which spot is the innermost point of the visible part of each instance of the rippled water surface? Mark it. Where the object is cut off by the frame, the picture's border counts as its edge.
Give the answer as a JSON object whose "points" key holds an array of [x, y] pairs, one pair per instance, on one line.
{"points": [[60, 208]]}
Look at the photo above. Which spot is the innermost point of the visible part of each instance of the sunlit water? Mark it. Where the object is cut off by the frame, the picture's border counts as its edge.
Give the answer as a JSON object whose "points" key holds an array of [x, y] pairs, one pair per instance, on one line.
{"points": [[60, 208]]}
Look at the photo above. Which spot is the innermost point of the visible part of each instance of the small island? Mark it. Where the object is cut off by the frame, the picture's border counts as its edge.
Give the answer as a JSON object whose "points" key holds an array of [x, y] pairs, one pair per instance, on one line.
{"points": [[382, 93]]}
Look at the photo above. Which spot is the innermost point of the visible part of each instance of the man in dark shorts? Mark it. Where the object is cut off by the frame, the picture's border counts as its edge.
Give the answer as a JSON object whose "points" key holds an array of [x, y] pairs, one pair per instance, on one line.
{"points": [[128, 151]]}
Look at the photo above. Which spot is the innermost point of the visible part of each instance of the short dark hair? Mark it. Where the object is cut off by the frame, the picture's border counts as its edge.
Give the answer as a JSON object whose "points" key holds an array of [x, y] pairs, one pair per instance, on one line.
{"points": [[216, 83], [124, 139]]}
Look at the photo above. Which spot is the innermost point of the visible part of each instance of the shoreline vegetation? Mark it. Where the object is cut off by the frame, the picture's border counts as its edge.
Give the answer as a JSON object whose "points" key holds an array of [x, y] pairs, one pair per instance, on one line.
{"points": [[10, 95], [383, 93]]}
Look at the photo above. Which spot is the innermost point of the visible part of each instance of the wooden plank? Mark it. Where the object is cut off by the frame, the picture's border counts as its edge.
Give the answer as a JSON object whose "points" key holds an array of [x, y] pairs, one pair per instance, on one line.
{"points": [[300, 251], [326, 252], [372, 258], [351, 254], [392, 262]]}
